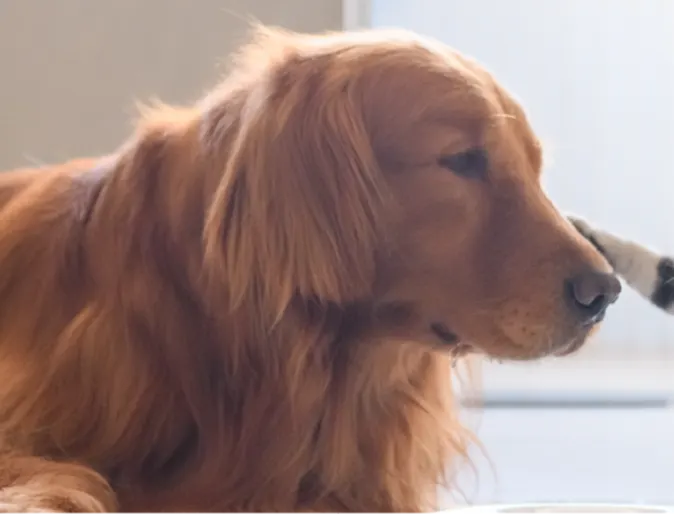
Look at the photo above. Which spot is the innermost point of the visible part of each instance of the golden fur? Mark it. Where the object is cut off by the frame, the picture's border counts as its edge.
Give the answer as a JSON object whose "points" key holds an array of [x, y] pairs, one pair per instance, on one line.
{"points": [[232, 311]]}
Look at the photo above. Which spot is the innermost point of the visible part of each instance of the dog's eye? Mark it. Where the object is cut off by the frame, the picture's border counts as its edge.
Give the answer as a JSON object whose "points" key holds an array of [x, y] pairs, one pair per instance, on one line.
{"points": [[472, 163]]}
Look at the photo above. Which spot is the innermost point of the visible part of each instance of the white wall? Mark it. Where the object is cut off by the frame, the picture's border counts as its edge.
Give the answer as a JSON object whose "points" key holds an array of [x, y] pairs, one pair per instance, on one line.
{"points": [[597, 78]]}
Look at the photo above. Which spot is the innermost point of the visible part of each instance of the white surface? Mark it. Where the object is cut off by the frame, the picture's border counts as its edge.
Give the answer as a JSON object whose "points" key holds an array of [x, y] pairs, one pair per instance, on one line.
{"points": [[585, 372], [609, 456]]}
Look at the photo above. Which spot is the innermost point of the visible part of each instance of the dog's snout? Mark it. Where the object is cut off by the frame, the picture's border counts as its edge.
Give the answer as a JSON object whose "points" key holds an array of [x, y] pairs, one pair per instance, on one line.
{"points": [[591, 292]]}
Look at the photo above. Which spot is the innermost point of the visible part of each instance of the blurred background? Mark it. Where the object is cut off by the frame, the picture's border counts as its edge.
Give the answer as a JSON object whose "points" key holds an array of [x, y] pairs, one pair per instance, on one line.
{"points": [[597, 79]]}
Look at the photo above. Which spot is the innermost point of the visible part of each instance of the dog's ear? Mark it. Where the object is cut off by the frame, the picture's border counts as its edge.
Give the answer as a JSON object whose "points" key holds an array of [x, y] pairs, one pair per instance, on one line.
{"points": [[296, 210]]}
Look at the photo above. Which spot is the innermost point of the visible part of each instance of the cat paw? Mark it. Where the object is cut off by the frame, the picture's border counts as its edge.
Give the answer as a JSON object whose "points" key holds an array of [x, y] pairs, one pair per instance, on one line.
{"points": [[581, 226]]}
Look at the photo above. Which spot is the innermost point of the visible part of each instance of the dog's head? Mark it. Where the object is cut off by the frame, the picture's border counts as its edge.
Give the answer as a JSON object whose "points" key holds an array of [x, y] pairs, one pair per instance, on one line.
{"points": [[387, 172], [372, 206]]}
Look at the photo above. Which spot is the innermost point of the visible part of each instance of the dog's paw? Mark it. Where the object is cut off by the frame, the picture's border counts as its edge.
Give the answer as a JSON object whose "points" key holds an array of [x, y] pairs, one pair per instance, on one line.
{"points": [[20, 508]]}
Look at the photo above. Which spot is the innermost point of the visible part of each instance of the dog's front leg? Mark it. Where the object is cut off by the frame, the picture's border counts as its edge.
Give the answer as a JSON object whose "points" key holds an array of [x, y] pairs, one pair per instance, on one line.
{"points": [[35, 484]]}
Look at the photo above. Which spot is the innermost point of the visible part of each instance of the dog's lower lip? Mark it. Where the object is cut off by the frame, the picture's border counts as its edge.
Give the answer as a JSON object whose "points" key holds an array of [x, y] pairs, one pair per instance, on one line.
{"points": [[571, 347], [444, 334], [598, 318]]}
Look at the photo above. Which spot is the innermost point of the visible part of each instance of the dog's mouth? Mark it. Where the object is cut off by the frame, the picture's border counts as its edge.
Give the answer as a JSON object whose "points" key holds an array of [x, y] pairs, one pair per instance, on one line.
{"points": [[451, 341], [445, 335], [571, 347]]}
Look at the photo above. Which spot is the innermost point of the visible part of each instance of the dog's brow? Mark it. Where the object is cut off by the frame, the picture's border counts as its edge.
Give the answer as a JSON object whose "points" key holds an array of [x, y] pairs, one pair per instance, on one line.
{"points": [[456, 116]]}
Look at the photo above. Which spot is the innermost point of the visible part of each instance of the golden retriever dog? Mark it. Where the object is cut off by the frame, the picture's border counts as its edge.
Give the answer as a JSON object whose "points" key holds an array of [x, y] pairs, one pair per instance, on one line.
{"points": [[255, 302]]}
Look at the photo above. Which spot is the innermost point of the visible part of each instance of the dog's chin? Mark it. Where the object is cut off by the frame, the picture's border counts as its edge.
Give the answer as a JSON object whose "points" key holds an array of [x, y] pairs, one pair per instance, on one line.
{"points": [[575, 343], [570, 348], [561, 348], [508, 349]]}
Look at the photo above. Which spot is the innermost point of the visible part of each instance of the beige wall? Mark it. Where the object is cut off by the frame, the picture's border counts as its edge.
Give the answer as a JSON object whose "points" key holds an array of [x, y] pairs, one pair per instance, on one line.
{"points": [[71, 70]]}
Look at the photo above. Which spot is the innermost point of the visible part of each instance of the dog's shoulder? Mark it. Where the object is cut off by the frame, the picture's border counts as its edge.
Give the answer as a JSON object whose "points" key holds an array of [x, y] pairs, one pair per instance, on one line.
{"points": [[43, 213], [17, 181], [68, 184]]}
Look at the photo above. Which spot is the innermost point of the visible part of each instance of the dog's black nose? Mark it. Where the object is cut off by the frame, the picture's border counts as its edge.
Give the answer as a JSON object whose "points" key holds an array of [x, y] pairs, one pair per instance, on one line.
{"points": [[591, 292]]}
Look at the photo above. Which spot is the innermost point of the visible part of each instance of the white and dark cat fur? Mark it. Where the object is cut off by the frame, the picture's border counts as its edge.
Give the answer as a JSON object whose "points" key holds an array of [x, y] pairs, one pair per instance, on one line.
{"points": [[648, 272]]}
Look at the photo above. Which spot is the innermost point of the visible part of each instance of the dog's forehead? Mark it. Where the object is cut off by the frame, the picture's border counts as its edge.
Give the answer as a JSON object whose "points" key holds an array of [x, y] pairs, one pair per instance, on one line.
{"points": [[412, 84], [428, 79], [394, 59], [376, 44], [397, 77], [432, 91]]}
